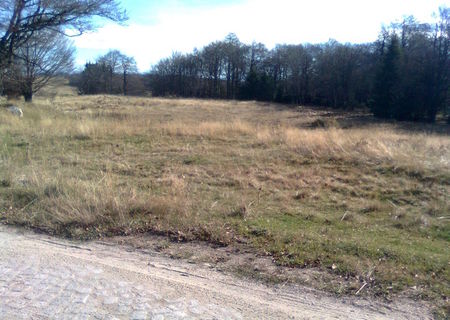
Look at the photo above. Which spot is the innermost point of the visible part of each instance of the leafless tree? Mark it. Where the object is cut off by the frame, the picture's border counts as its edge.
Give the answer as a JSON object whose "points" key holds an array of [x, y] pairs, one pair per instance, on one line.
{"points": [[118, 63], [43, 56], [21, 19], [128, 66], [109, 74], [111, 61]]}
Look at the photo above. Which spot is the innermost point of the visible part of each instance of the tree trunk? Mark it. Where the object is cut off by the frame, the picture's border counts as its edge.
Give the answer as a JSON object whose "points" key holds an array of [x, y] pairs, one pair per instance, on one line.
{"points": [[28, 96], [27, 91], [125, 83]]}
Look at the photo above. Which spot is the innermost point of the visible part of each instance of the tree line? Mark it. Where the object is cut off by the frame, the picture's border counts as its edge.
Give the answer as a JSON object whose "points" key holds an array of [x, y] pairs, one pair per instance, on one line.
{"points": [[404, 75]]}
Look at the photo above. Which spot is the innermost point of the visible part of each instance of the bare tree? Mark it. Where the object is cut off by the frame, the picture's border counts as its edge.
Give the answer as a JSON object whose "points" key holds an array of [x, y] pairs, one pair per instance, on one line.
{"points": [[21, 19], [111, 61], [118, 63], [109, 74], [128, 66], [43, 56]]}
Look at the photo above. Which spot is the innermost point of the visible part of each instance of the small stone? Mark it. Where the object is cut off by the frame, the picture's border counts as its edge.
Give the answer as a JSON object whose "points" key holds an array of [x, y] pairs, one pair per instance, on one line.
{"points": [[111, 300], [139, 315], [83, 290], [15, 111]]}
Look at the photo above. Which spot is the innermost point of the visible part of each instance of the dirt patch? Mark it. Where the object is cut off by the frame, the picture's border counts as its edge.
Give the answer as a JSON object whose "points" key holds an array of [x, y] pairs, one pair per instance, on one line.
{"points": [[244, 262]]}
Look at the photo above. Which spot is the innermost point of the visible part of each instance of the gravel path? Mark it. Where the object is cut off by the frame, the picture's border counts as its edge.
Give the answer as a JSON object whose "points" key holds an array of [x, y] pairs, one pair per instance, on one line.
{"points": [[47, 278]]}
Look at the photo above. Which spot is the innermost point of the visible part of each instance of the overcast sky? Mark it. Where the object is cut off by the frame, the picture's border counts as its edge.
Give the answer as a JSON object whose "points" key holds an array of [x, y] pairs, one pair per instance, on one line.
{"points": [[157, 28]]}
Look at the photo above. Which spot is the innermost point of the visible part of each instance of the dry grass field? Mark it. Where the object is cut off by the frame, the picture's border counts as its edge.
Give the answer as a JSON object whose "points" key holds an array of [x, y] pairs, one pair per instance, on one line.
{"points": [[310, 188]]}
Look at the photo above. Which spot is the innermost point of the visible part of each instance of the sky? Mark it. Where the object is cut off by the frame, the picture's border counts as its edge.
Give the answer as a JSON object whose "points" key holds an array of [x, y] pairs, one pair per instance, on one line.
{"points": [[157, 28]]}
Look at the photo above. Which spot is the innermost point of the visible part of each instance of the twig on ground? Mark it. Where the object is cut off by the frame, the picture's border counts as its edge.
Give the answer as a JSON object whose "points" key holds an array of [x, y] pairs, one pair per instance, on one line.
{"points": [[362, 287], [393, 204]]}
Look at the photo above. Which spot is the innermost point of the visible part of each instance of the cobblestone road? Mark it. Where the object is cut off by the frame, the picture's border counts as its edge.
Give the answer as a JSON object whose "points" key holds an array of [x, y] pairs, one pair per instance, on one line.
{"points": [[31, 288], [46, 278], [40, 286]]}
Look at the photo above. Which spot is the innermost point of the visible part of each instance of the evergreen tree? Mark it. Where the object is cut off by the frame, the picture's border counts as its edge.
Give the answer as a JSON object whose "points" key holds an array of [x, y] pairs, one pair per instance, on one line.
{"points": [[250, 89], [387, 82]]}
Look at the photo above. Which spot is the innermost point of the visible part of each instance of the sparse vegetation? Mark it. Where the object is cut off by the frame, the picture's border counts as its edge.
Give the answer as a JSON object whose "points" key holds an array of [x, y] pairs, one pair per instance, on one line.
{"points": [[368, 203]]}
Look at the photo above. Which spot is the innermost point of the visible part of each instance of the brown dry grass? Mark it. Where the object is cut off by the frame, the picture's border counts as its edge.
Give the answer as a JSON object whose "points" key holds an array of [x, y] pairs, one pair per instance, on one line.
{"points": [[371, 200]]}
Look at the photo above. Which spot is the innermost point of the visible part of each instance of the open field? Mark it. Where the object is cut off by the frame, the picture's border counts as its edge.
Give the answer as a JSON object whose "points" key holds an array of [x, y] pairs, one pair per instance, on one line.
{"points": [[310, 188]]}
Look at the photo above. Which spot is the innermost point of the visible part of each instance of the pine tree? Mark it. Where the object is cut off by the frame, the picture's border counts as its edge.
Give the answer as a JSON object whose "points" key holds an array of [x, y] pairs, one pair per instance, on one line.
{"points": [[387, 82]]}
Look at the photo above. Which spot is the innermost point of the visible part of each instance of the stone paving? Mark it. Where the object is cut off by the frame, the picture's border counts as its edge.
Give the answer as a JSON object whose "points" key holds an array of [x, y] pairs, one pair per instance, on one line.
{"points": [[34, 288], [46, 278]]}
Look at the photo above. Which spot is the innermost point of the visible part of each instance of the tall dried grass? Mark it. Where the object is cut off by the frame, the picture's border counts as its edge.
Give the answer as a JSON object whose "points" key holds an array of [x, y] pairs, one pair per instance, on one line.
{"points": [[362, 145], [372, 144]]}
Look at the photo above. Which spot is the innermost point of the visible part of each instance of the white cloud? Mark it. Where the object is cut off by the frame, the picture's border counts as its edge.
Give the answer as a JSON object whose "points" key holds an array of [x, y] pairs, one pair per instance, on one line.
{"points": [[270, 22]]}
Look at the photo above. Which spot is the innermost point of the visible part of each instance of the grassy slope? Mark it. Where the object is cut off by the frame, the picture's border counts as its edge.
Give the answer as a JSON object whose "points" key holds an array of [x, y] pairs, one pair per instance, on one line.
{"points": [[369, 202]]}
